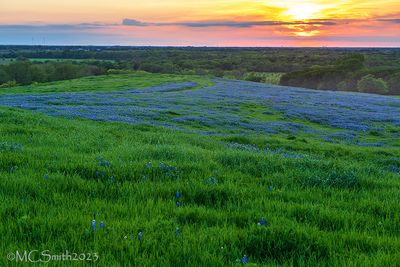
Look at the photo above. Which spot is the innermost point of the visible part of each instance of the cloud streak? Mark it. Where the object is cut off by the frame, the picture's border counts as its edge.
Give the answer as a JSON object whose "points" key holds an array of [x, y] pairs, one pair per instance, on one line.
{"points": [[249, 24], [222, 23], [189, 24], [54, 27], [396, 21]]}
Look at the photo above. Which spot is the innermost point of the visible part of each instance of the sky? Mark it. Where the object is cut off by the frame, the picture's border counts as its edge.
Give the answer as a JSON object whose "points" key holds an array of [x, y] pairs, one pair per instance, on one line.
{"points": [[317, 23]]}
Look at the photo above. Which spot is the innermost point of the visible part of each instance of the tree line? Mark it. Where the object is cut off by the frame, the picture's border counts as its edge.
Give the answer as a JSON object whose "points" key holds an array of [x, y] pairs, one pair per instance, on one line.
{"points": [[347, 74], [200, 60], [24, 72], [365, 70]]}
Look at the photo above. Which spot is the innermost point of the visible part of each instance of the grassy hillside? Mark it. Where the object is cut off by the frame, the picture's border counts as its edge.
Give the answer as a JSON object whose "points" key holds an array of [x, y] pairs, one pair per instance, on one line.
{"points": [[104, 83], [287, 197]]}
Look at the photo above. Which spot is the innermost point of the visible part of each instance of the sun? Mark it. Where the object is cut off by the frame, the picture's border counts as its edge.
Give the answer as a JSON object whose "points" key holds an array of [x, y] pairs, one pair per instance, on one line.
{"points": [[304, 11]]}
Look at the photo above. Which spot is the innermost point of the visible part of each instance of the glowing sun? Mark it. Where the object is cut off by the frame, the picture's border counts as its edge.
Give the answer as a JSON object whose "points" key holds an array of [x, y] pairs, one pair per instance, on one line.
{"points": [[304, 11]]}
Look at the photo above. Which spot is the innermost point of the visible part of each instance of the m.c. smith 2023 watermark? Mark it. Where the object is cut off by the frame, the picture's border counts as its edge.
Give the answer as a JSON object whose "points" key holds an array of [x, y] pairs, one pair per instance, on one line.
{"points": [[43, 256]]}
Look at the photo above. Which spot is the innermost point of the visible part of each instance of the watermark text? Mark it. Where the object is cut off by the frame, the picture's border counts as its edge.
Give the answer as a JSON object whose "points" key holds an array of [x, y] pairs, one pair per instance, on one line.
{"points": [[43, 256]]}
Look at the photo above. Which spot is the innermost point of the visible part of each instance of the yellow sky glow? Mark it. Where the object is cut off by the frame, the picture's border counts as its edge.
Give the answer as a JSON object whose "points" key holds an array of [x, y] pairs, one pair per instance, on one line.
{"points": [[104, 10], [370, 12]]}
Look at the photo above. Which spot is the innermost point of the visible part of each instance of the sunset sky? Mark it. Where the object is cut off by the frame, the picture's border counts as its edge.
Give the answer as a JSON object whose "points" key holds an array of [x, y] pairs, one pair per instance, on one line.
{"points": [[356, 23]]}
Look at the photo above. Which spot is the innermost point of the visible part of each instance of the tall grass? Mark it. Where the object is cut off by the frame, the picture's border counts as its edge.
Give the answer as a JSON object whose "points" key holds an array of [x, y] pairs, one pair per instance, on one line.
{"points": [[58, 175]]}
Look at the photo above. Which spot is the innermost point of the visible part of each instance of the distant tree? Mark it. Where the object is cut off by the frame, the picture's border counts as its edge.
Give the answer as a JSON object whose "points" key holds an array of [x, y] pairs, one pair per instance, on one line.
{"points": [[22, 58], [370, 84], [50, 70], [344, 86], [200, 72], [255, 78], [89, 70], [151, 67], [4, 77], [326, 77], [66, 71], [20, 71], [394, 84], [8, 84], [218, 73], [351, 62], [38, 73], [226, 65]]}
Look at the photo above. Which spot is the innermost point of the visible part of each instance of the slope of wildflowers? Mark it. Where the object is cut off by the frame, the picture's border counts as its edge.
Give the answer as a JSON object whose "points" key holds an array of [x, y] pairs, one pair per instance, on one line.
{"points": [[205, 173]]}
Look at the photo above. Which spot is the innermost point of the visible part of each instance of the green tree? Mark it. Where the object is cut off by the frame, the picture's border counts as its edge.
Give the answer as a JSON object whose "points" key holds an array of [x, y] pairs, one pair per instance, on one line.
{"points": [[4, 77], [66, 71], [351, 62], [255, 78], [394, 84], [370, 84], [346, 86], [38, 73], [20, 71]]}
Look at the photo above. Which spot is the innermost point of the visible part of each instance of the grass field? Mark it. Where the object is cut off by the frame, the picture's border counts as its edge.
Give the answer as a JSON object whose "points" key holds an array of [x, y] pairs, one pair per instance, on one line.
{"points": [[256, 174], [105, 83]]}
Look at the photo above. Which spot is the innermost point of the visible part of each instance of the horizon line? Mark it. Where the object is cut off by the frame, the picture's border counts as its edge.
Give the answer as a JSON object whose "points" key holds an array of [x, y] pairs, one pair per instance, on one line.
{"points": [[195, 46]]}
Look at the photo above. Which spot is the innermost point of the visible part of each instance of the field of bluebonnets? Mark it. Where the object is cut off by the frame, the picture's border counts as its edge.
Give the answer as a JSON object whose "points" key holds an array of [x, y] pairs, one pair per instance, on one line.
{"points": [[163, 170]]}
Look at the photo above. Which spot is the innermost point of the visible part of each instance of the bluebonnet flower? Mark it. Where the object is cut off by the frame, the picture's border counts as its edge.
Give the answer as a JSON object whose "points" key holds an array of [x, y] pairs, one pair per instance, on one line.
{"points": [[270, 188], [140, 236], [245, 260], [161, 165], [178, 231], [262, 221], [46, 176], [102, 225], [103, 163], [394, 169], [178, 204], [371, 144], [248, 147], [106, 164], [177, 195], [13, 147], [149, 164], [94, 225], [287, 154], [212, 180]]}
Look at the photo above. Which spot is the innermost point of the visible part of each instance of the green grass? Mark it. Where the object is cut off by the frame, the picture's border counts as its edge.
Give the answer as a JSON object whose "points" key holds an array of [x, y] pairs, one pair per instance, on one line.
{"points": [[112, 82], [338, 206]]}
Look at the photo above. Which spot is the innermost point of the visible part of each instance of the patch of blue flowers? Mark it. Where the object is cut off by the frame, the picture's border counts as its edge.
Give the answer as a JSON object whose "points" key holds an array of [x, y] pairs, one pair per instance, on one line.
{"points": [[394, 169], [215, 109], [160, 171], [277, 151], [11, 147]]}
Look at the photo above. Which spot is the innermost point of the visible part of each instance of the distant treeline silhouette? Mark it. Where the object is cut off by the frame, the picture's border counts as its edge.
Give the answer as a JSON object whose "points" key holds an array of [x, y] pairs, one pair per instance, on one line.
{"points": [[361, 69]]}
